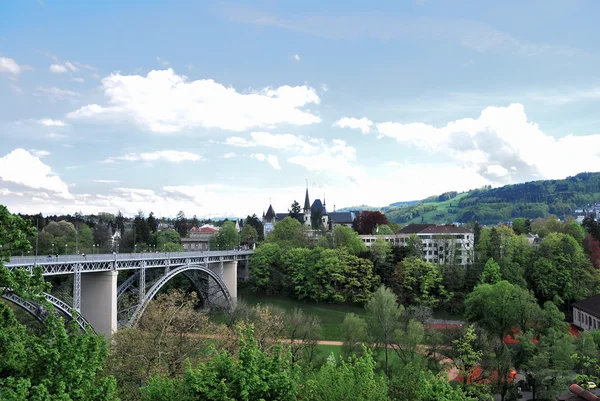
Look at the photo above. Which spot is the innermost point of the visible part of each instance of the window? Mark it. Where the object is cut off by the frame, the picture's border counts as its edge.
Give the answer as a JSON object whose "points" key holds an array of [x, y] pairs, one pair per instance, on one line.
{"points": [[460, 260], [429, 253]]}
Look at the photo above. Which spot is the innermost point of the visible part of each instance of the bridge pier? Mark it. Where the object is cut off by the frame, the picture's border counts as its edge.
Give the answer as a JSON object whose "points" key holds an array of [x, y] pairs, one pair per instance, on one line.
{"points": [[230, 278], [99, 300]]}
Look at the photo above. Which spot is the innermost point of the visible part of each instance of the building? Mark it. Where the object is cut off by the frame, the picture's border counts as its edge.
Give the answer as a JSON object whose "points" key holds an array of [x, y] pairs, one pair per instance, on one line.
{"points": [[199, 237], [310, 213], [586, 313], [440, 243]]}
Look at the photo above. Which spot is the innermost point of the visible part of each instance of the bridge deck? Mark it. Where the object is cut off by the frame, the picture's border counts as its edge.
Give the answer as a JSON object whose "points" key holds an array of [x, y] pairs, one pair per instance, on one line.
{"points": [[68, 264]]}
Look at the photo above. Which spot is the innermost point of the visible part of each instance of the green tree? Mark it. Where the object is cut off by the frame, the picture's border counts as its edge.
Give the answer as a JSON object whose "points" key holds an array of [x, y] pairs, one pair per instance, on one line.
{"points": [[491, 273], [465, 354], [421, 282], [500, 308], [414, 246], [167, 240], [181, 224], [249, 375], [288, 233], [383, 229], [354, 380], [344, 236], [151, 223], [383, 315], [50, 364], [520, 225], [248, 235], [295, 211], [354, 335], [226, 239], [257, 224], [264, 261]]}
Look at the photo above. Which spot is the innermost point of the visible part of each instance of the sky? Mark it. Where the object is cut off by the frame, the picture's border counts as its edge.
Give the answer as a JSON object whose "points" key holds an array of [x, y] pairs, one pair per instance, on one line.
{"points": [[219, 108]]}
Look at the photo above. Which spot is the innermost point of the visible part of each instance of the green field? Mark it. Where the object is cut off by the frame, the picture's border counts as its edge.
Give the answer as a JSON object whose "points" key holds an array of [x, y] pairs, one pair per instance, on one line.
{"points": [[331, 315], [441, 209]]}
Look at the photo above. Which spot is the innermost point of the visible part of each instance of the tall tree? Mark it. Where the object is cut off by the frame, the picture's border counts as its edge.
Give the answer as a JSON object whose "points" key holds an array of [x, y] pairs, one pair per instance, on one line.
{"points": [[383, 315], [181, 224], [226, 239], [258, 226], [151, 223], [248, 235], [295, 211], [120, 222], [491, 273]]}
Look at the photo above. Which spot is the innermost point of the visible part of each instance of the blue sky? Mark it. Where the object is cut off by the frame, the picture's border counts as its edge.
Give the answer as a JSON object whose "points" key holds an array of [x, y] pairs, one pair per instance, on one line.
{"points": [[216, 107]]}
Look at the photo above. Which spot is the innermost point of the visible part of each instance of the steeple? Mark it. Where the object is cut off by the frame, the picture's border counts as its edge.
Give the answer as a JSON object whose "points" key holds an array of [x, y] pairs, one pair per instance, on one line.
{"points": [[306, 200]]}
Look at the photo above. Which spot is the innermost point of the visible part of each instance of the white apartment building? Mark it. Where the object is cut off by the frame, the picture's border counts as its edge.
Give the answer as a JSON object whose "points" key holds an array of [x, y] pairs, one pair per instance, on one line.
{"points": [[441, 244], [586, 313]]}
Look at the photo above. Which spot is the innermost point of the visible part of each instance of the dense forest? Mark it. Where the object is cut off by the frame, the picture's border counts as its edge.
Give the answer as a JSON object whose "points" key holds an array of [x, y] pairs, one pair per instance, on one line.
{"points": [[492, 205]]}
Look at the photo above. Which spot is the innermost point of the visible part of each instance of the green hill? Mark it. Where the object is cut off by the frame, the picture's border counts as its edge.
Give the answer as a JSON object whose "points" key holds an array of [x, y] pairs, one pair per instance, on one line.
{"points": [[488, 206]]}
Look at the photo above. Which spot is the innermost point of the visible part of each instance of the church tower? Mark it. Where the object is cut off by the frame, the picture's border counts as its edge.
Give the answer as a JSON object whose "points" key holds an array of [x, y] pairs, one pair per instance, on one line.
{"points": [[307, 209]]}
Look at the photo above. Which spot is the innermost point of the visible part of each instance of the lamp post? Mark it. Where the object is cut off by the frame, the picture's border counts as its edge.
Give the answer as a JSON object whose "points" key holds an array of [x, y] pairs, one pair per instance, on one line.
{"points": [[97, 249], [52, 249], [66, 249]]}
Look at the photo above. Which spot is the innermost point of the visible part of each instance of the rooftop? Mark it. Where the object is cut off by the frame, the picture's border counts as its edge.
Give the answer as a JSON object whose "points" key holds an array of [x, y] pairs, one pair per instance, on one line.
{"points": [[590, 305]]}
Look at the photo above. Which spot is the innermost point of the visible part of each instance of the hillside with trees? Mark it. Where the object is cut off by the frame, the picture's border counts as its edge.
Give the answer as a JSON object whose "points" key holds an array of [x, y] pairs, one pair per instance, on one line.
{"points": [[492, 205]]}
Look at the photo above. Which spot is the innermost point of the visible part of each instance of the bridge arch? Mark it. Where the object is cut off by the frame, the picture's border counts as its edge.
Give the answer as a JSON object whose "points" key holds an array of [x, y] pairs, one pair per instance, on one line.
{"points": [[37, 311], [188, 270]]}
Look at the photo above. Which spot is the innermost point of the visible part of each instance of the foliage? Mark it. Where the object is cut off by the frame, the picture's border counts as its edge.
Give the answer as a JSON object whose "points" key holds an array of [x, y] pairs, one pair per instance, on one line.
{"points": [[248, 235], [500, 307], [167, 241], [181, 225], [354, 331], [51, 364], [466, 354], [383, 229], [257, 224], [295, 211], [366, 221], [288, 233], [263, 264], [161, 343], [303, 331], [354, 380], [226, 239], [491, 273], [383, 315], [344, 236], [421, 282], [249, 375]]}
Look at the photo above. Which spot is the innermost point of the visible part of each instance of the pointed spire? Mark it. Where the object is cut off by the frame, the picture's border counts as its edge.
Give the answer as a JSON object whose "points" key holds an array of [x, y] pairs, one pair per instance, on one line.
{"points": [[324, 199], [306, 201]]}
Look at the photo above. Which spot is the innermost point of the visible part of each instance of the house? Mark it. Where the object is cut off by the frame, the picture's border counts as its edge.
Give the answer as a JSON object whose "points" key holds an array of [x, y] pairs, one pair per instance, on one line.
{"points": [[586, 313], [310, 214], [440, 243], [199, 237]]}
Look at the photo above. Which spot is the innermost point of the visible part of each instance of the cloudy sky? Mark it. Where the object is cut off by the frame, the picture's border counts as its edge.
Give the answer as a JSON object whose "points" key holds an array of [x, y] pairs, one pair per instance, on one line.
{"points": [[215, 108]]}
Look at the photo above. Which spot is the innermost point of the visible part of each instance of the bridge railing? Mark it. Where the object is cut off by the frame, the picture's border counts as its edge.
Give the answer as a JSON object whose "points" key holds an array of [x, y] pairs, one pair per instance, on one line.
{"points": [[43, 259]]}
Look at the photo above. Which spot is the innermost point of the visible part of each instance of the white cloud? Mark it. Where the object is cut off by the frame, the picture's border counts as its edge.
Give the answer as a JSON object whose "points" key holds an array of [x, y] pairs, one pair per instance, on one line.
{"points": [[48, 122], [16, 89], [324, 88], [239, 141], [106, 181], [362, 124], [70, 66], [271, 159], [39, 153], [58, 68], [79, 80], [336, 159], [162, 62], [22, 168], [296, 57], [165, 102], [229, 155], [54, 135], [502, 145], [10, 66], [55, 93], [6, 192], [172, 156]]}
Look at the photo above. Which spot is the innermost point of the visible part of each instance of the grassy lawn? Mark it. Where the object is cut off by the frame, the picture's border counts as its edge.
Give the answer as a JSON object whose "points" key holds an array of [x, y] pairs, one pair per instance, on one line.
{"points": [[331, 315]]}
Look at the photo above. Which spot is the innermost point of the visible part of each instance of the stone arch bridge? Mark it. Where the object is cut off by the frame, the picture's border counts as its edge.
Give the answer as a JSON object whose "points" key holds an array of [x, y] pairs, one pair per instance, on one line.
{"points": [[105, 307]]}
